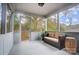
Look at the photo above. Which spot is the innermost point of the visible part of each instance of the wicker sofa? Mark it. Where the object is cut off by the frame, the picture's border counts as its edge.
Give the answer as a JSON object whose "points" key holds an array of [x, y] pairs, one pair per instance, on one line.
{"points": [[55, 39]]}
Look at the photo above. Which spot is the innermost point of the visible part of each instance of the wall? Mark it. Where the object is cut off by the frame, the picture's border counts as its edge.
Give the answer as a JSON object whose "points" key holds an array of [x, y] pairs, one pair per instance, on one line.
{"points": [[16, 37], [1, 44], [35, 35], [6, 43], [76, 35]]}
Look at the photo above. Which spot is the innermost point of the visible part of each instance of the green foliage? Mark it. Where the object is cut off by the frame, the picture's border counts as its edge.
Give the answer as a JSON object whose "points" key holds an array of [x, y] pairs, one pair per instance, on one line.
{"points": [[51, 26], [8, 23], [26, 25], [36, 25], [31, 23], [62, 28], [16, 23]]}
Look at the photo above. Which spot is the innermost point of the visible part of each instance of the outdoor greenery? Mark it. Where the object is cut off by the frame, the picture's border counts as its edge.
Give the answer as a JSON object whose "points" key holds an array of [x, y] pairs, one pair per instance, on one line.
{"points": [[8, 23], [25, 25], [16, 23], [63, 27], [8, 20], [51, 25], [37, 24]]}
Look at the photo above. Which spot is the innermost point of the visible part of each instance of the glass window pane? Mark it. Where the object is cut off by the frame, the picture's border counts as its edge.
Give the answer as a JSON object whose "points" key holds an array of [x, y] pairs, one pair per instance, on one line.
{"points": [[8, 20], [74, 19], [52, 23], [25, 23], [69, 20], [64, 22], [37, 23], [16, 22]]}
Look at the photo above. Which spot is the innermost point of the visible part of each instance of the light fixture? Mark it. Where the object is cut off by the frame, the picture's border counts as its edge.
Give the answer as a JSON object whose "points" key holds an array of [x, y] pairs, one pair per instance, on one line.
{"points": [[41, 4]]}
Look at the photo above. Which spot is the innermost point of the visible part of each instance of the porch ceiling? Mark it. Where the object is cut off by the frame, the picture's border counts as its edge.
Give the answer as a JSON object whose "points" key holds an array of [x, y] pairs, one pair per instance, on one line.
{"points": [[33, 8]]}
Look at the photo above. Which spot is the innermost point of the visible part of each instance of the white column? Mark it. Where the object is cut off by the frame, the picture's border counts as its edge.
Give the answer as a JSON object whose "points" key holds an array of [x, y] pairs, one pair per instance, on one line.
{"points": [[45, 24], [58, 23]]}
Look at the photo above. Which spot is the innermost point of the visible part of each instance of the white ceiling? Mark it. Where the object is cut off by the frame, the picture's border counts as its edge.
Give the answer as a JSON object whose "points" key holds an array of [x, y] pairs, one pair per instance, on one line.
{"points": [[33, 8]]}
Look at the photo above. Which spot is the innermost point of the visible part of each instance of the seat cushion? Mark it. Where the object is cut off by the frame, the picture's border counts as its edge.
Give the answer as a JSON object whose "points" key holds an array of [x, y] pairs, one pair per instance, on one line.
{"points": [[51, 34], [57, 35], [52, 39]]}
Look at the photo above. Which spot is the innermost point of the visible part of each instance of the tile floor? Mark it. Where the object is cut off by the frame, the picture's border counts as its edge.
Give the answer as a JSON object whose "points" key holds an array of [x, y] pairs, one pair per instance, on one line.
{"points": [[35, 48]]}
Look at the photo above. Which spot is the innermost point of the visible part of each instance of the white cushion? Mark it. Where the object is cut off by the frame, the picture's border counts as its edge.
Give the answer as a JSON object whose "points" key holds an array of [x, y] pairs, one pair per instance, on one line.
{"points": [[52, 39]]}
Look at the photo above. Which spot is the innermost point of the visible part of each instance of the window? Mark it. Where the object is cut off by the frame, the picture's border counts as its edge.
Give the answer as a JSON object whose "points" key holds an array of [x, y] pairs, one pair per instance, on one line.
{"points": [[52, 23], [8, 20], [16, 22], [64, 22], [74, 14], [69, 20], [37, 23], [25, 23], [0, 16]]}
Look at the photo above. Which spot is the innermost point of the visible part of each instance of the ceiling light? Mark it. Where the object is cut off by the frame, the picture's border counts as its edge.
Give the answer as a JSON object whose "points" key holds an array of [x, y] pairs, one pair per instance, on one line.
{"points": [[41, 4]]}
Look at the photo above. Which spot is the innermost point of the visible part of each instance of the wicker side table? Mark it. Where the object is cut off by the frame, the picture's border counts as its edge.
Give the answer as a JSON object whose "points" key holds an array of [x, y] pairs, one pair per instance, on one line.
{"points": [[70, 45]]}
